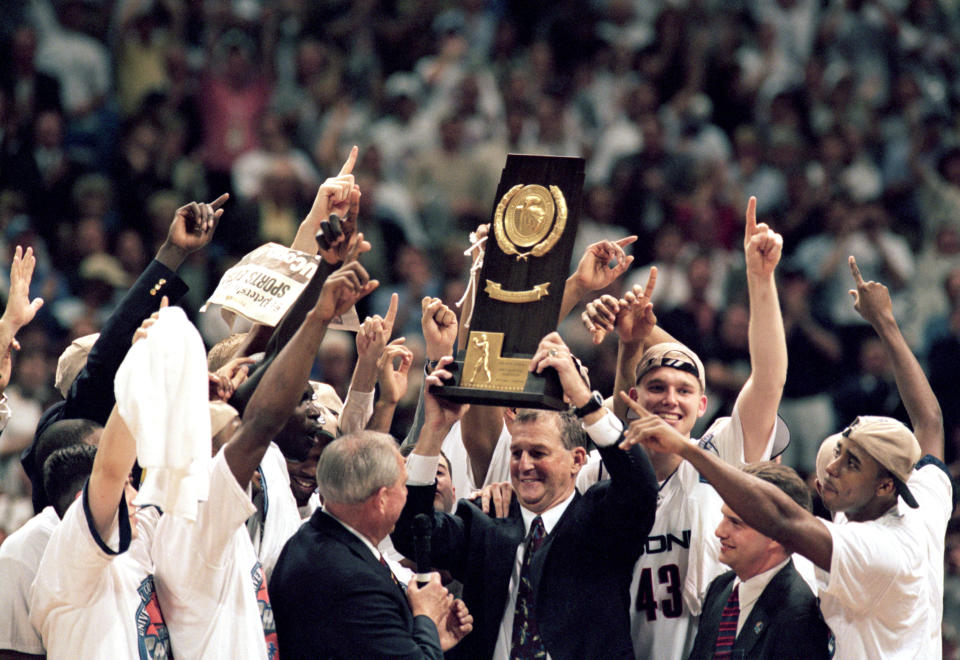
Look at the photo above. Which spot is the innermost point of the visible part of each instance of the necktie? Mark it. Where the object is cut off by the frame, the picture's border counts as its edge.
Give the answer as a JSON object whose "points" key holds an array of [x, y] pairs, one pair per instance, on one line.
{"points": [[727, 633], [393, 577], [526, 643]]}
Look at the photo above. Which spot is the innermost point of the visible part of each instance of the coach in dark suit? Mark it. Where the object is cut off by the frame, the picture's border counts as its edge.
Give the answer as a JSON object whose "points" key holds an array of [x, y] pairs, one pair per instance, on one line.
{"points": [[554, 575], [332, 594], [90, 396], [762, 608]]}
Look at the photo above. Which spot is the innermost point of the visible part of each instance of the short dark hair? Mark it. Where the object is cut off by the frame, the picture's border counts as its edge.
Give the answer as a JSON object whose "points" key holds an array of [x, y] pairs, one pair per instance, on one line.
{"points": [[64, 473], [65, 433], [406, 450], [571, 430], [785, 478]]}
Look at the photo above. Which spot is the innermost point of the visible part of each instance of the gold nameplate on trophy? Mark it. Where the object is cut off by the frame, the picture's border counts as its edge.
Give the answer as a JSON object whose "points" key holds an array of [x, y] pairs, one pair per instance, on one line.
{"points": [[496, 291], [484, 369], [529, 216]]}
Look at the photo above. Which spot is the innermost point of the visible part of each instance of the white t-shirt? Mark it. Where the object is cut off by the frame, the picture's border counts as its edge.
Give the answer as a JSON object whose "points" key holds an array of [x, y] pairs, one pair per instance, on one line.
{"points": [[96, 599], [210, 584], [883, 596], [278, 518], [461, 472], [680, 557], [20, 555]]}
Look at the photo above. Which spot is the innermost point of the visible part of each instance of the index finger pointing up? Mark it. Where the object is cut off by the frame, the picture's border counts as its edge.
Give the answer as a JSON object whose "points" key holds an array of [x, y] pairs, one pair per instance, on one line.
{"points": [[751, 216], [351, 161], [391, 311], [219, 201], [651, 282], [857, 277]]}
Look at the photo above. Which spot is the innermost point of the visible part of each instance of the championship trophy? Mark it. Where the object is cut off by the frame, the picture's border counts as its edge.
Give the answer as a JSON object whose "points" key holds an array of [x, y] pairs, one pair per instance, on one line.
{"points": [[520, 287]]}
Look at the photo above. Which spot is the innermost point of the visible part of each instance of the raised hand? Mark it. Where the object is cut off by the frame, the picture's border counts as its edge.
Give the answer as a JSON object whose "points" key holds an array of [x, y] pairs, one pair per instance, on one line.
{"points": [[636, 319], [602, 263], [332, 220], [762, 246], [20, 309], [631, 317], [343, 289], [437, 411], [376, 331], [439, 325], [871, 299], [393, 371], [651, 431], [553, 352], [600, 316], [194, 223]]}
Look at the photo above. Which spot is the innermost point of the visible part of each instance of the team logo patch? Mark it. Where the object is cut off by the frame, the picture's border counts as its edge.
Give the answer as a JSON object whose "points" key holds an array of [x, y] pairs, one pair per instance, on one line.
{"points": [[152, 636], [266, 612]]}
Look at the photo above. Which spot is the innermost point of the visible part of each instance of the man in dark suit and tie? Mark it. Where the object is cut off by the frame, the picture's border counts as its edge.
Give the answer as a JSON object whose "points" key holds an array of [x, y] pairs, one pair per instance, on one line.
{"points": [[553, 577], [761, 608], [332, 593]]}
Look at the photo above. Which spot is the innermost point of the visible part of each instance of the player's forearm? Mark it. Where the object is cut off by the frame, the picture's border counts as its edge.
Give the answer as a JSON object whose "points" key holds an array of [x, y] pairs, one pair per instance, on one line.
{"points": [[382, 418], [430, 440], [364, 375], [915, 391], [284, 381], [573, 293], [628, 355], [768, 342], [760, 504]]}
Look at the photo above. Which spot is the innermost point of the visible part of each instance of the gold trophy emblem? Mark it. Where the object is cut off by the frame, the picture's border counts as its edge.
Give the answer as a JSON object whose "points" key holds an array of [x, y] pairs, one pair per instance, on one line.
{"points": [[527, 217], [530, 217]]}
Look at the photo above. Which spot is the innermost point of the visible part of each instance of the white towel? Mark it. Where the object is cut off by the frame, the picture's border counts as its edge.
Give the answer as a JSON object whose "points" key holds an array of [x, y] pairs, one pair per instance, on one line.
{"points": [[162, 392]]}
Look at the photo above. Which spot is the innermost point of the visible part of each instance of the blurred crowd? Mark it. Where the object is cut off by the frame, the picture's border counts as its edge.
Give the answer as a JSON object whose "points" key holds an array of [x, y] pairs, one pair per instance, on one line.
{"points": [[841, 116]]}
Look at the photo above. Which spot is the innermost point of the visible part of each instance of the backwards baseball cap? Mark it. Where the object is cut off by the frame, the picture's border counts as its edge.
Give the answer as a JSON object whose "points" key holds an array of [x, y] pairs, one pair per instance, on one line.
{"points": [[891, 444], [674, 355], [71, 361]]}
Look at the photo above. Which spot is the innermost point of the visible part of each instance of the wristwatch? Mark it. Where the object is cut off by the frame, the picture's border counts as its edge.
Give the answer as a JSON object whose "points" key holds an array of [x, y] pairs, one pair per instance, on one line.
{"points": [[594, 404]]}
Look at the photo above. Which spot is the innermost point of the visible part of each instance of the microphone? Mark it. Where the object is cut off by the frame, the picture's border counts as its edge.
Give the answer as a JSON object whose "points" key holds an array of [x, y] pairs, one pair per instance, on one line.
{"points": [[422, 531]]}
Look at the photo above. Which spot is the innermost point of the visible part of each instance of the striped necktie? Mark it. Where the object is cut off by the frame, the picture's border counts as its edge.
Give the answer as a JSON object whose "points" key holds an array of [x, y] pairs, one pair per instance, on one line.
{"points": [[526, 643], [727, 633]]}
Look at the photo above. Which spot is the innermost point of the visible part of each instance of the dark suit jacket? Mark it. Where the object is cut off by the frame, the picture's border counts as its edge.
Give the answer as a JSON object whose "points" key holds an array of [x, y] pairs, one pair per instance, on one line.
{"points": [[332, 599], [785, 621], [91, 394], [581, 575]]}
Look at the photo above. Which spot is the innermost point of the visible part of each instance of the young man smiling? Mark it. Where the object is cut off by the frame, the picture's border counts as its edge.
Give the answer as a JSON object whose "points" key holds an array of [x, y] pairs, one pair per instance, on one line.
{"points": [[553, 577], [881, 561], [679, 557], [761, 608]]}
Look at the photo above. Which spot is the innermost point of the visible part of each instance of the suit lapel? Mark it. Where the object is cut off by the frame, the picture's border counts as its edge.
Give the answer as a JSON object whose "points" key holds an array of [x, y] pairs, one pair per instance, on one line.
{"points": [[758, 623], [502, 558], [326, 524], [709, 625]]}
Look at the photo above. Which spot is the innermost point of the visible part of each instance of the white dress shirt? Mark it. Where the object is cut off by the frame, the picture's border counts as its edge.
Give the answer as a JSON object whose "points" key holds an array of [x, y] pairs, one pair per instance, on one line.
{"points": [[750, 590]]}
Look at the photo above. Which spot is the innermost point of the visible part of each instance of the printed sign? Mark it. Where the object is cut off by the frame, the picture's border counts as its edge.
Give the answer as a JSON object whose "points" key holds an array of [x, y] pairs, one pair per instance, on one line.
{"points": [[265, 283]]}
